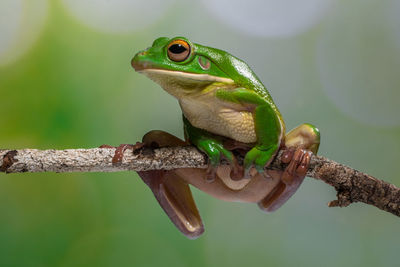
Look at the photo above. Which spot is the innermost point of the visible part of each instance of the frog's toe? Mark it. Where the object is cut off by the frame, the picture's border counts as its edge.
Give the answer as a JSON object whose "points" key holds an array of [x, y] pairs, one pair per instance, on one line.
{"points": [[215, 152], [299, 160], [214, 158], [249, 160], [258, 158], [291, 178], [237, 171], [119, 151], [106, 146], [211, 173], [214, 155], [261, 161]]}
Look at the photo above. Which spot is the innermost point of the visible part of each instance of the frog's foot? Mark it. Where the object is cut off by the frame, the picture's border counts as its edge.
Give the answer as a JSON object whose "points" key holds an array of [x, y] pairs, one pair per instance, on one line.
{"points": [[119, 151], [259, 158], [300, 143], [211, 173], [171, 190], [215, 152], [174, 196], [236, 171], [291, 178]]}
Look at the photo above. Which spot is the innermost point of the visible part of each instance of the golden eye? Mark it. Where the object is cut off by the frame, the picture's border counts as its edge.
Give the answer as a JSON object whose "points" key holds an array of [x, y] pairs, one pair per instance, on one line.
{"points": [[178, 50]]}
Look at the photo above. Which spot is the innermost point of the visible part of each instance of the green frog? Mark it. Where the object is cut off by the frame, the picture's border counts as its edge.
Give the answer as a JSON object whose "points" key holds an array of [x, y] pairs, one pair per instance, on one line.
{"points": [[227, 111]]}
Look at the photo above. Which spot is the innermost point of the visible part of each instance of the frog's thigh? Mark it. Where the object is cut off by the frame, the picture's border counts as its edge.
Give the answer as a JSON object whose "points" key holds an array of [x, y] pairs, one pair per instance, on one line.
{"points": [[246, 190], [306, 137], [171, 191]]}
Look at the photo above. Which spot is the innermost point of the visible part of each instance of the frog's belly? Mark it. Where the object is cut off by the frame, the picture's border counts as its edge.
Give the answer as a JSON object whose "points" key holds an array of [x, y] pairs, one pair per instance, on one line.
{"points": [[218, 119]]}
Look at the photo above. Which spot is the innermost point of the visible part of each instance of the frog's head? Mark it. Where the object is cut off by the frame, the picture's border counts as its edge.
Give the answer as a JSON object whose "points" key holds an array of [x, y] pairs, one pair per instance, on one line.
{"points": [[182, 67]]}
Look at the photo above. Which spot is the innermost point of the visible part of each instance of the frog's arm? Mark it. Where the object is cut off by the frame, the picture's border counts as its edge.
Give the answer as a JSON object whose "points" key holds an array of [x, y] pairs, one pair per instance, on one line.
{"points": [[206, 142], [267, 125]]}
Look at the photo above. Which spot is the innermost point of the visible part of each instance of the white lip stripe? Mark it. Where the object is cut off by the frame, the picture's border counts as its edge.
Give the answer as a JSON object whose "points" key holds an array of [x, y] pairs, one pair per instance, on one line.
{"points": [[194, 76]]}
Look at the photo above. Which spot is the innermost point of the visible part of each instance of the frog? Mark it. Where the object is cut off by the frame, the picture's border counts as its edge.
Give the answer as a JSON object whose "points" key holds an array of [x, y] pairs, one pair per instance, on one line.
{"points": [[227, 113]]}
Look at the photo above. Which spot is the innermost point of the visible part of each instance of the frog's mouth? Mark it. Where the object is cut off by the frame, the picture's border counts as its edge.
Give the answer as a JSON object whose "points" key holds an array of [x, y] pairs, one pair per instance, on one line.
{"points": [[180, 75]]}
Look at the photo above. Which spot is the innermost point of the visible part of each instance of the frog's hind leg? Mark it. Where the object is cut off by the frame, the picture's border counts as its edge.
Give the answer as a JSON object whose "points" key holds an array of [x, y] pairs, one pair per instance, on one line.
{"points": [[300, 143], [305, 136], [171, 191]]}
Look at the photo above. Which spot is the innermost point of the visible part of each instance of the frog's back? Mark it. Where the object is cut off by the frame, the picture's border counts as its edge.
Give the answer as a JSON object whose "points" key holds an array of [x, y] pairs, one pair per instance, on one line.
{"points": [[237, 70]]}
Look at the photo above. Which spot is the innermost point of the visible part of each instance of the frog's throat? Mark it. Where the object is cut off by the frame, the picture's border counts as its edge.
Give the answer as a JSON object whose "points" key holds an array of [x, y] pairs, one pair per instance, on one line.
{"points": [[180, 75]]}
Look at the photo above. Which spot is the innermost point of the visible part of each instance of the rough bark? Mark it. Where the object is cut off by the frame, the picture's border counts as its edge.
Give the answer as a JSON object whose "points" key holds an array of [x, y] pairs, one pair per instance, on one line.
{"points": [[351, 185]]}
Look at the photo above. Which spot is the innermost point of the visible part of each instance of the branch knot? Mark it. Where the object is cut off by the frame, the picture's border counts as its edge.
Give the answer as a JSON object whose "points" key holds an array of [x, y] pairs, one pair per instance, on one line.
{"points": [[8, 160]]}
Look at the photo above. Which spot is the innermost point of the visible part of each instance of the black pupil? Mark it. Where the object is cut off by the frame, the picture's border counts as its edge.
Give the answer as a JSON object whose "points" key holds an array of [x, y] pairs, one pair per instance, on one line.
{"points": [[177, 48]]}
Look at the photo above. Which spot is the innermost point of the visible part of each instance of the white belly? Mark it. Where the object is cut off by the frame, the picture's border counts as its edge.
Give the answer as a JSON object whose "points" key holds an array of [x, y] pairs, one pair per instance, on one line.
{"points": [[213, 115]]}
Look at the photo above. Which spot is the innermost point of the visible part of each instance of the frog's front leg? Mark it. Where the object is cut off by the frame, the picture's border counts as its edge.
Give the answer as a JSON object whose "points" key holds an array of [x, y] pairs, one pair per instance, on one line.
{"points": [[300, 143], [268, 126], [213, 146]]}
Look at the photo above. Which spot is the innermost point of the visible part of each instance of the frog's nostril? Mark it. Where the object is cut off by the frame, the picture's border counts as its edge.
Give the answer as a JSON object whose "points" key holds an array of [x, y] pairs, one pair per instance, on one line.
{"points": [[134, 61], [141, 60]]}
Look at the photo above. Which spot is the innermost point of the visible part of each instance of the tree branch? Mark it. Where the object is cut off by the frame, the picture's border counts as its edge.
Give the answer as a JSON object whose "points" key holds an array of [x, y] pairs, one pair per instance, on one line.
{"points": [[351, 185]]}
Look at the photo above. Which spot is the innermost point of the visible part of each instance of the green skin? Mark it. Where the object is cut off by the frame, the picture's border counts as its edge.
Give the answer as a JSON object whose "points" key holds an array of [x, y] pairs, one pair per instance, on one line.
{"points": [[246, 91]]}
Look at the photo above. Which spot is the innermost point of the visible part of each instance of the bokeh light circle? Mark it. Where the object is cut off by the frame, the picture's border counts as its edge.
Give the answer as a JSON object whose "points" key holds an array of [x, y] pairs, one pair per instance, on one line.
{"points": [[269, 18], [118, 16], [21, 22], [359, 61]]}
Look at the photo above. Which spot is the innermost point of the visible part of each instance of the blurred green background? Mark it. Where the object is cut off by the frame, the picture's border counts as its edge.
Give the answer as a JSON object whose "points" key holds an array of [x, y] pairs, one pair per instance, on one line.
{"points": [[66, 82]]}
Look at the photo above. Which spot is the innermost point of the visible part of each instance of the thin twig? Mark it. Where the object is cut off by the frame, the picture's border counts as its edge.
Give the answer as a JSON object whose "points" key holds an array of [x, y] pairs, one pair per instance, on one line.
{"points": [[351, 185]]}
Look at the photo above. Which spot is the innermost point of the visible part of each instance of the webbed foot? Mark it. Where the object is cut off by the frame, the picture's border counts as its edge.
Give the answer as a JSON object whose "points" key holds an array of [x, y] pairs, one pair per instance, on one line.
{"points": [[171, 190], [300, 144], [299, 160], [215, 151], [291, 178]]}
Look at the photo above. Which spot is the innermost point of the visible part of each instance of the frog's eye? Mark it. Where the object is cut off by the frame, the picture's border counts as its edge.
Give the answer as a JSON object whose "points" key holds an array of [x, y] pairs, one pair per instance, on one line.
{"points": [[178, 50]]}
